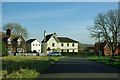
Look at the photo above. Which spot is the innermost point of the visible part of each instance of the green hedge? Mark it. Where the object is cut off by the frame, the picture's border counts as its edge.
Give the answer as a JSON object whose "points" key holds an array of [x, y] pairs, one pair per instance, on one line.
{"points": [[78, 54]]}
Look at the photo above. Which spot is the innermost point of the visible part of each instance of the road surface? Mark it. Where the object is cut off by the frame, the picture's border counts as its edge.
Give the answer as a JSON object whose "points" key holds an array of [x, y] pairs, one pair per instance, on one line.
{"points": [[76, 67]]}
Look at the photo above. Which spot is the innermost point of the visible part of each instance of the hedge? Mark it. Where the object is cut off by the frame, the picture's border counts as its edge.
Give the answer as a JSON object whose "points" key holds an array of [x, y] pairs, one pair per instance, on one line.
{"points": [[78, 53]]}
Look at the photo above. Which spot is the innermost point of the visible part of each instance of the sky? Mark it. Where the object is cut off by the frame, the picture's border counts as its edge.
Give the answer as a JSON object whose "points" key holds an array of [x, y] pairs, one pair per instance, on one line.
{"points": [[67, 19]]}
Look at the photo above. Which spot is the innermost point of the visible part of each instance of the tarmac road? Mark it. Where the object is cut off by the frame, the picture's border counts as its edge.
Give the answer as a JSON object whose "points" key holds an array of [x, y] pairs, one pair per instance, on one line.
{"points": [[76, 67]]}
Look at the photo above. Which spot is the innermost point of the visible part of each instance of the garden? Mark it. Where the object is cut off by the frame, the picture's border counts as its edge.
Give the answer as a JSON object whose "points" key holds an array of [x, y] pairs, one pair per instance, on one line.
{"points": [[25, 66]]}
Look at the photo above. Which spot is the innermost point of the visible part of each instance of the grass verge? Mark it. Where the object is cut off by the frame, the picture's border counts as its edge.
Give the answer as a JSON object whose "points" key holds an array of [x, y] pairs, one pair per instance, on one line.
{"points": [[25, 66], [106, 60]]}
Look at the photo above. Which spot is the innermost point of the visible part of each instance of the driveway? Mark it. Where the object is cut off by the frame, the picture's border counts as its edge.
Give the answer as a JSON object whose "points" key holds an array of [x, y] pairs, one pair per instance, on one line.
{"points": [[76, 67]]}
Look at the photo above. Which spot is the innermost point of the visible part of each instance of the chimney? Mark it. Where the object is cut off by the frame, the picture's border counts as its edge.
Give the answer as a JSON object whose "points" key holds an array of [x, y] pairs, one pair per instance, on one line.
{"points": [[44, 36], [55, 34], [8, 32]]}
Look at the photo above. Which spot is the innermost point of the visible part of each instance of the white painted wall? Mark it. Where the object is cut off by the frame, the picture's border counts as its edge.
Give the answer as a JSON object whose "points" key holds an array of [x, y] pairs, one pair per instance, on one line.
{"points": [[36, 46], [57, 45]]}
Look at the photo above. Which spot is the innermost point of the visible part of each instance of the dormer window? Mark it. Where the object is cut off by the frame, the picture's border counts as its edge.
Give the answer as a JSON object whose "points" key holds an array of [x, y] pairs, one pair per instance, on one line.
{"points": [[19, 41], [9, 40]]}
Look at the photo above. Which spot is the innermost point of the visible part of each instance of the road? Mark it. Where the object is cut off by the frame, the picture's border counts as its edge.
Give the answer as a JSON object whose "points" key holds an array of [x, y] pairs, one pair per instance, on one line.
{"points": [[76, 67]]}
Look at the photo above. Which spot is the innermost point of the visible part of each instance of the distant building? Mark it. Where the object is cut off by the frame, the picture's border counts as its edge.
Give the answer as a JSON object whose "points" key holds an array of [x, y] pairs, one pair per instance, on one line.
{"points": [[59, 44], [33, 45], [105, 48], [13, 42]]}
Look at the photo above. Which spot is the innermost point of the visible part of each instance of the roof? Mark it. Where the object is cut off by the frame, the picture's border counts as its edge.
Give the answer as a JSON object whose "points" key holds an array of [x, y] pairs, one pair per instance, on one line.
{"points": [[14, 37], [65, 39], [47, 37], [61, 39], [30, 40]]}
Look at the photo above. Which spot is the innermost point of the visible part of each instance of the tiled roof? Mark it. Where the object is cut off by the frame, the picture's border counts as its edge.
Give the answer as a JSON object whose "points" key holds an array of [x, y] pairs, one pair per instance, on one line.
{"points": [[13, 37], [61, 39], [65, 39], [30, 40], [47, 37]]}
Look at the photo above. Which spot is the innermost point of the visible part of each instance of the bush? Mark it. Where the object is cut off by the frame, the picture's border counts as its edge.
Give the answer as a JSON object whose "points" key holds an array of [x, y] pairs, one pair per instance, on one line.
{"points": [[4, 50], [78, 53]]}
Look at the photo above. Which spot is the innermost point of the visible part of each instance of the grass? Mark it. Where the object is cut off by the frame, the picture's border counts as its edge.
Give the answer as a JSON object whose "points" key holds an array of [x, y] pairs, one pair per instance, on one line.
{"points": [[25, 66], [106, 60]]}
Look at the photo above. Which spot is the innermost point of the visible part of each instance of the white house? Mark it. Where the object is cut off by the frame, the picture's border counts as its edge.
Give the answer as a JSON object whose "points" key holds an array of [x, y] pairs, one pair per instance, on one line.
{"points": [[59, 44], [33, 45]]}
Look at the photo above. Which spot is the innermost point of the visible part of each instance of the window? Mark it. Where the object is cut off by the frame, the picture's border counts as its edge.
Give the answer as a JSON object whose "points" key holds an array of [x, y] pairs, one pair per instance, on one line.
{"points": [[73, 44], [53, 44], [19, 49], [107, 48], [9, 42], [39, 44], [33, 44], [107, 53], [18, 42], [61, 44], [36, 44], [67, 50], [68, 44], [62, 50]]}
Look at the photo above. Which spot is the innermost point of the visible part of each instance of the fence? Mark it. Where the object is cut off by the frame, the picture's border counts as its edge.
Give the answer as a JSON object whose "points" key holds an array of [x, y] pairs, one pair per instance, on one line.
{"points": [[26, 54]]}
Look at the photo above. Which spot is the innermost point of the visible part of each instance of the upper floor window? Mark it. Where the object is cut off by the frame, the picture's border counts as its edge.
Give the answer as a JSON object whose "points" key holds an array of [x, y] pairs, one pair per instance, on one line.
{"points": [[33, 44], [107, 48], [53, 44], [73, 45], [36, 44], [19, 41], [39, 44], [68, 44], [9, 40], [61, 44]]}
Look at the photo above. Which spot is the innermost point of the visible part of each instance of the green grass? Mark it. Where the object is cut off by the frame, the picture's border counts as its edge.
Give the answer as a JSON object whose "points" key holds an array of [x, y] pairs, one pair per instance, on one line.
{"points": [[106, 60], [25, 66]]}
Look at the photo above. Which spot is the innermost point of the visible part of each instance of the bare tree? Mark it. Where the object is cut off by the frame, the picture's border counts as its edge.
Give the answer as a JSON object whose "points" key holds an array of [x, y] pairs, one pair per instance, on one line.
{"points": [[107, 25], [16, 29]]}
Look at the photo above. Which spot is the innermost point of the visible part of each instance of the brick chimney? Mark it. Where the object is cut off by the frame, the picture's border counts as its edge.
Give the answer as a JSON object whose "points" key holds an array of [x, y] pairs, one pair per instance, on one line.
{"points": [[8, 32], [44, 36], [55, 34]]}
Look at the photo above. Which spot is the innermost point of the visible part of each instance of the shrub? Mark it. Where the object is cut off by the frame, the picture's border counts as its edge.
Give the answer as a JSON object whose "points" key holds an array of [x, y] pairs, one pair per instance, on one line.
{"points": [[4, 50], [78, 53]]}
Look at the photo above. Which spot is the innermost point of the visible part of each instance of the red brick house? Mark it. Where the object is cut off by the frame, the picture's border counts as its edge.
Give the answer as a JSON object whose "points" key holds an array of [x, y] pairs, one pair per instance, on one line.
{"points": [[105, 48], [13, 42]]}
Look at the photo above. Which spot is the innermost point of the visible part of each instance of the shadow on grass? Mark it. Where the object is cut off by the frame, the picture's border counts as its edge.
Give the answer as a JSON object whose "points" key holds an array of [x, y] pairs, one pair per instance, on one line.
{"points": [[38, 65]]}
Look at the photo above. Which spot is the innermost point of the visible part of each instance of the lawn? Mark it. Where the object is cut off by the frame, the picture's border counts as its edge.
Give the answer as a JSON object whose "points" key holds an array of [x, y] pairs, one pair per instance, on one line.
{"points": [[25, 66], [106, 60]]}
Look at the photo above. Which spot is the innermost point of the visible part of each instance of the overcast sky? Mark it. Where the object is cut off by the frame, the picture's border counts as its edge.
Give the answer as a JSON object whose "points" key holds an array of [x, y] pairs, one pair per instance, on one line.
{"points": [[69, 19]]}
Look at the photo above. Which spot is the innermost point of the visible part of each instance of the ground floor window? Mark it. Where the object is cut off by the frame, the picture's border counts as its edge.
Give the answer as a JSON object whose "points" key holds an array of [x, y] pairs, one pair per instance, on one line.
{"points": [[62, 50], [107, 53]]}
